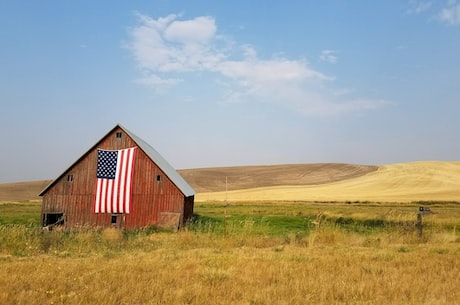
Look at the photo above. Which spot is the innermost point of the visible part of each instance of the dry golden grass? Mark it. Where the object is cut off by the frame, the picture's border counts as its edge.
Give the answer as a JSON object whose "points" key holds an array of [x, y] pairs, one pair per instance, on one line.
{"points": [[430, 181], [190, 268], [329, 265]]}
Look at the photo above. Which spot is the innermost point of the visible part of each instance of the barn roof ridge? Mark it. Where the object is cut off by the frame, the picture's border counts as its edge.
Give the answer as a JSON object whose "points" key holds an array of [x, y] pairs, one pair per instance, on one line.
{"points": [[164, 165]]}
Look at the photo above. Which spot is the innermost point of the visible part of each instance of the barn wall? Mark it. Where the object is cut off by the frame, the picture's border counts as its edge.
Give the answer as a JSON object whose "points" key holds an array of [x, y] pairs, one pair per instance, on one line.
{"points": [[153, 192]]}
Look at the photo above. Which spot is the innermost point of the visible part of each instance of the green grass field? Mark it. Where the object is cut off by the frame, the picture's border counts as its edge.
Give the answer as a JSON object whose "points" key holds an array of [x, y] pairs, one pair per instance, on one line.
{"points": [[26, 213], [280, 218]]}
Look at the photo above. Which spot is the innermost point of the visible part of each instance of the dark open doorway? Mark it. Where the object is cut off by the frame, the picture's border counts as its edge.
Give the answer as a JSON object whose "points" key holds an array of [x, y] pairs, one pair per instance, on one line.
{"points": [[51, 220], [116, 220]]}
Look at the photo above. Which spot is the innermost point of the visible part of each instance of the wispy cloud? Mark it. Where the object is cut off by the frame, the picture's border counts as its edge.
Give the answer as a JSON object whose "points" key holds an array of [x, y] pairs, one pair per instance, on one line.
{"points": [[329, 56], [167, 50], [160, 84], [418, 7], [450, 14]]}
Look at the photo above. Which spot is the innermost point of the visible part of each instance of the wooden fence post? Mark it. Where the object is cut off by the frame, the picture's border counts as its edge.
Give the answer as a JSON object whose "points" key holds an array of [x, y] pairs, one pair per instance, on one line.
{"points": [[225, 222], [419, 223]]}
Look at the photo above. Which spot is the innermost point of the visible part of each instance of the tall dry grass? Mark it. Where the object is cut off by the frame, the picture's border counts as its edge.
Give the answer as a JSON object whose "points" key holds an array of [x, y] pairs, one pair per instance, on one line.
{"points": [[326, 266]]}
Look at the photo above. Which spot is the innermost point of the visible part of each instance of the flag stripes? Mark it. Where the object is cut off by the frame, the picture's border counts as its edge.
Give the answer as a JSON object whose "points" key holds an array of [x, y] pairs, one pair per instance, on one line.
{"points": [[114, 180]]}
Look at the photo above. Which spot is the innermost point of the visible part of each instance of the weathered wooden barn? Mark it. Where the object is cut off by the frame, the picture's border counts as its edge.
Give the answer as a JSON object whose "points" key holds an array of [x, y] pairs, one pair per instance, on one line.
{"points": [[90, 193]]}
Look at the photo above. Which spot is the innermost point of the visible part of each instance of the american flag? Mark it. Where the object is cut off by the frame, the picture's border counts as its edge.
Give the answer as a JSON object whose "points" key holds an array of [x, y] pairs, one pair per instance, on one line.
{"points": [[114, 180]]}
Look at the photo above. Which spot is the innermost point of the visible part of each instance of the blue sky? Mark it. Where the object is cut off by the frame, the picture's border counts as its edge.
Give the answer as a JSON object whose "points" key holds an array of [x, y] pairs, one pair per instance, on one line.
{"points": [[223, 83]]}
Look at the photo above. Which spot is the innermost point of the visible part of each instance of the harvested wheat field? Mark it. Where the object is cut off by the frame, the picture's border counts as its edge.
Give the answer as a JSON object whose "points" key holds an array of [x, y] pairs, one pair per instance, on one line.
{"points": [[405, 182], [247, 177]]}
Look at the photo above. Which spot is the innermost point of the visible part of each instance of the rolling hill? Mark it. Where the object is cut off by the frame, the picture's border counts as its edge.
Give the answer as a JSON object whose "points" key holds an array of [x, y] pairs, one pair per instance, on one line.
{"points": [[405, 182], [430, 180], [246, 177], [19, 191]]}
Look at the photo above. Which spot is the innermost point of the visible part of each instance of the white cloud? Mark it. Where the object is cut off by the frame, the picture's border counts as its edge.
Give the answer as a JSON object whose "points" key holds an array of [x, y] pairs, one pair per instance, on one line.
{"points": [[329, 56], [451, 13], [197, 31], [167, 47]]}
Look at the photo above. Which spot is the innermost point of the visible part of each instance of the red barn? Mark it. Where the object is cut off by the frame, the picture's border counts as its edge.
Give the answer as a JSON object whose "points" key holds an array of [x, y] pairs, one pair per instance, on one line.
{"points": [[122, 182]]}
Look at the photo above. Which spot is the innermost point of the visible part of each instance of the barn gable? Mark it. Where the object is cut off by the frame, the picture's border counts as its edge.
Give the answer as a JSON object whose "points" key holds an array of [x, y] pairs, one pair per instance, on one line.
{"points": [[163, 164], [160, 196]]}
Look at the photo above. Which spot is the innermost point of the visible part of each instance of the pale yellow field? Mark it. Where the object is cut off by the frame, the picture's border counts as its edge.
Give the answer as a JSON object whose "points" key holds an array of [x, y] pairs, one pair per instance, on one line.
{"points": [[405, 182]]}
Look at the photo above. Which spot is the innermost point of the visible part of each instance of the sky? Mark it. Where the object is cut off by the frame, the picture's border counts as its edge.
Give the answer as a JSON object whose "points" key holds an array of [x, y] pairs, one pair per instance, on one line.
{"points": [[227, 83]]}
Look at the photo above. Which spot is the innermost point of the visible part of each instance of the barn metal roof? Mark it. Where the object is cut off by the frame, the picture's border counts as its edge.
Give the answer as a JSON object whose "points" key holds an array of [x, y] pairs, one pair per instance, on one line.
{"points": [[167, 168]]}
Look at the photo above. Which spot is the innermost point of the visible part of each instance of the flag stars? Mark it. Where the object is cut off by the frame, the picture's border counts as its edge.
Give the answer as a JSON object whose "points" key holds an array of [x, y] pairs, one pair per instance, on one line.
{"points": [[106, 164]]}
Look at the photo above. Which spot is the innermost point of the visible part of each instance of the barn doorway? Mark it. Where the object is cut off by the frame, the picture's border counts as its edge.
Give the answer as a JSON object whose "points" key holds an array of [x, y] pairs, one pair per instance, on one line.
{"points": [[116, 220], [51, 220]]}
